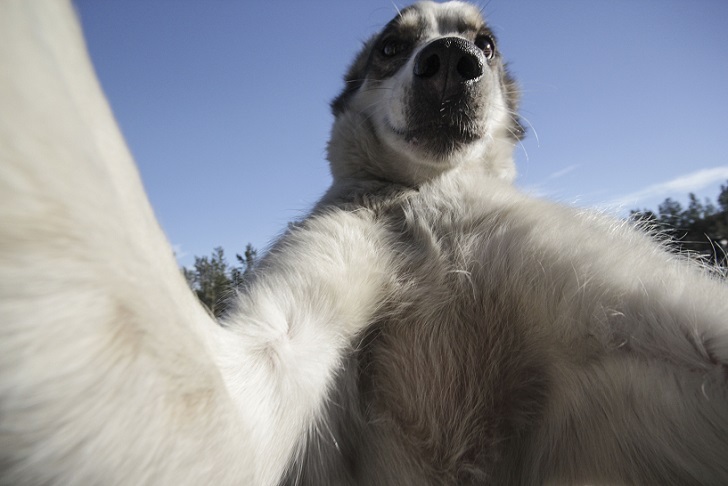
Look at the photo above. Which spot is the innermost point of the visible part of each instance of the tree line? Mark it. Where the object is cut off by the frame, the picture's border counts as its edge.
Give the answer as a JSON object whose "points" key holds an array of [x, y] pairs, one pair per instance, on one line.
{"points": [[701, 227], [214, 280]]}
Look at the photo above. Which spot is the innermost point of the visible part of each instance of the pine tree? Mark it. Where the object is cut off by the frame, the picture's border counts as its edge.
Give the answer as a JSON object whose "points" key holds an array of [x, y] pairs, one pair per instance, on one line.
{"points": [[239, 274], [700, 228], [723, 198], [214, 281], [670, 213]]}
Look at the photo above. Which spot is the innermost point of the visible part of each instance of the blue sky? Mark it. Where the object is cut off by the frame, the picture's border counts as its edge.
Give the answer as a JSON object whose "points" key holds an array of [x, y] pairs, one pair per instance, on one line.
{"points": [[224, 103]]}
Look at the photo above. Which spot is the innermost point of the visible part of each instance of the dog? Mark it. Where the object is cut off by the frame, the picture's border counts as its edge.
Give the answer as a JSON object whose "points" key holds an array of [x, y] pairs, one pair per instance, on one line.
{"points": [[425, 324]]}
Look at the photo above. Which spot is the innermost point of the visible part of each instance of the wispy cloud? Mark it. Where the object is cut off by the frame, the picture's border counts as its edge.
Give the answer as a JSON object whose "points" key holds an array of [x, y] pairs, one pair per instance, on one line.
{"points": [[563, 172], [542, 189], [678, 186]]}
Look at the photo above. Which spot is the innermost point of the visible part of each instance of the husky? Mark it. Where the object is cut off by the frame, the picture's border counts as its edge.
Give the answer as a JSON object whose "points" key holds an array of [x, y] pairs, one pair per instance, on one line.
{"points": [[426, 323]]}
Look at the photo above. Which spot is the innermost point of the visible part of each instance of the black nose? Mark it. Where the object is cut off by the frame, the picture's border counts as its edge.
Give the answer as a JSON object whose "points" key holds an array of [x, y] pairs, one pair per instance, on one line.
{"points": [[448, 62]]}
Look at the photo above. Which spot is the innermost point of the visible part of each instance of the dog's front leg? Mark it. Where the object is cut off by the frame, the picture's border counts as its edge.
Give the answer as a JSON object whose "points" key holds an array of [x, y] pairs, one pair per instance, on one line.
{"points": [[282, 346], [634, 340], [110, 371]]}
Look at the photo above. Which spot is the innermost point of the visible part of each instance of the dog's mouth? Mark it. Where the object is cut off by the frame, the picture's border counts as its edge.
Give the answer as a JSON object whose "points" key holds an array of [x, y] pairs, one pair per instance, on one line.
{"points": [[441, 128], [439, 135]]}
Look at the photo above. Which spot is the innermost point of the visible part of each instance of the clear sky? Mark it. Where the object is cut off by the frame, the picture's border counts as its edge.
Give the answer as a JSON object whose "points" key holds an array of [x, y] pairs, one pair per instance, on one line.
{"points": [[224, 103]]}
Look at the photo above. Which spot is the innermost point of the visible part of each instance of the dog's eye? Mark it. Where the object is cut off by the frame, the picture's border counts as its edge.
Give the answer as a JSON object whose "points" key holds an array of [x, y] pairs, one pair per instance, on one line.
{"points": [[392, 47], [485, 43]]}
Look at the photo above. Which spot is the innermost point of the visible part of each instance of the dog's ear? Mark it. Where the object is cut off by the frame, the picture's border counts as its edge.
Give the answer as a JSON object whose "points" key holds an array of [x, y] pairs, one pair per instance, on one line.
{"points": [[354, 77]]}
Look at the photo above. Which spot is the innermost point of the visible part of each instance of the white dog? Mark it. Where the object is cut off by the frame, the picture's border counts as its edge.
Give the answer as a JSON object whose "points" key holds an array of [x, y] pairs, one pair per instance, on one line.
{"points": [[427, 324]]}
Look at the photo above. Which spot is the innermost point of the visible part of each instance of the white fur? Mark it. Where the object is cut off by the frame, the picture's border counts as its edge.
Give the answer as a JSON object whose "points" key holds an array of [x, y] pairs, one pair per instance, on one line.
{"points": [[112, 373]]}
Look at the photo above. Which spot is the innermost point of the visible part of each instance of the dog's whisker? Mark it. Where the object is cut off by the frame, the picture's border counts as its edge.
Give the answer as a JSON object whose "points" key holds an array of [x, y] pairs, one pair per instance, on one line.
{"points": [[397, 9], [533, 129]]}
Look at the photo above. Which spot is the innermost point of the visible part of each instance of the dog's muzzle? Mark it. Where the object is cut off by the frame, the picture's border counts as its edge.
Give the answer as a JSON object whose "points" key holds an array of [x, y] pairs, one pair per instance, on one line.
{"points": [[445, 107], [446, 65]]}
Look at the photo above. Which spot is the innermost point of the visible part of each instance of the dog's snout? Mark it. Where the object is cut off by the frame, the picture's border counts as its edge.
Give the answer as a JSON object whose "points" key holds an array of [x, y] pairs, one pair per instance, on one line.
{"points": [[449, 60]]}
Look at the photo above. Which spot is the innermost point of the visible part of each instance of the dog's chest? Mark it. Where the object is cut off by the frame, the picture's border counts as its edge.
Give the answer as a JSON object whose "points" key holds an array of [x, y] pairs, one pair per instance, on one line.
{"points": [[440, 367]]}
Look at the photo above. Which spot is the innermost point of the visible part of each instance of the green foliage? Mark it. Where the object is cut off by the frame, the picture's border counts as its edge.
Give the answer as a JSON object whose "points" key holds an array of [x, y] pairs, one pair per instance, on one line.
{"points": [[214, 281], [701, 227], [723, 198]]}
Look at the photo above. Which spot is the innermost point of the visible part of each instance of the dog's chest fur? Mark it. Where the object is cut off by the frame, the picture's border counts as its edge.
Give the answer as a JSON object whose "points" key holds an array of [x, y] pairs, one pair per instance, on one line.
{"points": [[446, 373]]}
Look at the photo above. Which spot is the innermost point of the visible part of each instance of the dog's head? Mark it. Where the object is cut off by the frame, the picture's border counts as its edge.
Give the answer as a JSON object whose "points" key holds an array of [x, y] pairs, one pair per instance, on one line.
{"points": [[428, 93]]}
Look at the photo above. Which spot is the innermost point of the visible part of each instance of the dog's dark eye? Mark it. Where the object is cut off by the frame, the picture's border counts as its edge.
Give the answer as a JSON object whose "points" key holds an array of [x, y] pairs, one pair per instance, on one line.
{"points": [[485, 43], [392, 47]]}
